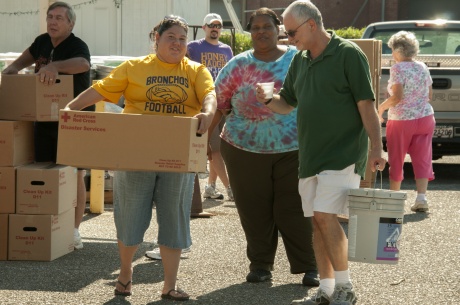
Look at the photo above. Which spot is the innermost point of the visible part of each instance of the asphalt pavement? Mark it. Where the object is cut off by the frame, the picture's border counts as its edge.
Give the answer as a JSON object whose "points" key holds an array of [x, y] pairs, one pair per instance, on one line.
{"points": [[214, 272]]}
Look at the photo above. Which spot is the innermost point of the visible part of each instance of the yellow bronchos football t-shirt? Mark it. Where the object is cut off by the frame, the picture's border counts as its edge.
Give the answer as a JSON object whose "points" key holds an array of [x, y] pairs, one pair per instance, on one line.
{"points": [[151, 86]]}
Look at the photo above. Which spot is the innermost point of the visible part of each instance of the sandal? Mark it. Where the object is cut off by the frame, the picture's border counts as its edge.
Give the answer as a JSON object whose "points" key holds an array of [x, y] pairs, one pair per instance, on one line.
{"points": [[123, 293], [178, 297]]}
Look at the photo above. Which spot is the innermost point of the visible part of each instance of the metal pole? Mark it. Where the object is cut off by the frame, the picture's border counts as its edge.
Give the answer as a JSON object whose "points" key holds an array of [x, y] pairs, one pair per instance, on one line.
{"points": [[383, 11], [359, 12]]}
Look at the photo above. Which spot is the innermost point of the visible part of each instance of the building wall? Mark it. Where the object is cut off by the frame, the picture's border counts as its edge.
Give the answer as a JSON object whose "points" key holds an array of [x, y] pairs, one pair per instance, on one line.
{"points": [[359, 13], [111, 29], [217, 6], [108, 27], [19, 22], [432, 9]]}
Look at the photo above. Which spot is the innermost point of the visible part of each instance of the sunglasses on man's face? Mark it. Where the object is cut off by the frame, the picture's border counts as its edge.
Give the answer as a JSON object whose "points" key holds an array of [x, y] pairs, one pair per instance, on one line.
{"points": [[292, 33], [214, 26]]}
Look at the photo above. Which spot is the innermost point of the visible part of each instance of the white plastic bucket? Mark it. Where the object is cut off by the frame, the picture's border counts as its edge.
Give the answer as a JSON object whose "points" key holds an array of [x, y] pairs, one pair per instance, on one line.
{"points": [[375, 225]]}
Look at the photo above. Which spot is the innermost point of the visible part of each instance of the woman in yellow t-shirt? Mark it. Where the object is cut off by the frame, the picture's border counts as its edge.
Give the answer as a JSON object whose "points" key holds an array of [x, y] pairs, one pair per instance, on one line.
{"points": [[165, 83]]}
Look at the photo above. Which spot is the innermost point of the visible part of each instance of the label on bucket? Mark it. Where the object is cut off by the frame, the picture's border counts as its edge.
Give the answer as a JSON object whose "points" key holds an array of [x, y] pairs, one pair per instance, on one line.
{"points": [[389, 236]]}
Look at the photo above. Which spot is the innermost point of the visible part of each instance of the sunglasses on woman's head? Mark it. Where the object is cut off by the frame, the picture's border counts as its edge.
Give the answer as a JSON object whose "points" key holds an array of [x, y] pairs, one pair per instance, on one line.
{"points": [[174, 17]]}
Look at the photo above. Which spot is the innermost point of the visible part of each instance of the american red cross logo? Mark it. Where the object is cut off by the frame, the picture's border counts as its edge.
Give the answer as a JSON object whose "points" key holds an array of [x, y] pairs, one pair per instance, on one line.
{"points": [[65, 117]]}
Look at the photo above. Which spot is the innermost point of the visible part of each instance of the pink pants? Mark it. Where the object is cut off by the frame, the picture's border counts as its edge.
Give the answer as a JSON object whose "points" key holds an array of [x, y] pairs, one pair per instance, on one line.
{"points": [[411, 137]]}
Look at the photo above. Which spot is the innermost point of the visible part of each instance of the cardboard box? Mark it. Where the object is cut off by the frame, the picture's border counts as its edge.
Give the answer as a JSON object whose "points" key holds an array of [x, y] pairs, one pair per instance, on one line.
{"points": [[40, 237], [24, 98], [7, 190], [46, 188], [16, 143], [3, 237], [130, 142], [373, 50]]}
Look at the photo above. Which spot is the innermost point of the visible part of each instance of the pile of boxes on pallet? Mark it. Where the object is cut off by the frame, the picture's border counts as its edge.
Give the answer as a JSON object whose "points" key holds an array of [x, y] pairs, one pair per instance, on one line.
{"points": [[37, 200], [42, 196]]}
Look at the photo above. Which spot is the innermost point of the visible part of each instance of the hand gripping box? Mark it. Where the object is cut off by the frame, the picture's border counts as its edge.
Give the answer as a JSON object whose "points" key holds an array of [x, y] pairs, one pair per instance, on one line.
{"points": [[131, 142], [24, 98], [16, 143], [45, 188], [40, 237]]}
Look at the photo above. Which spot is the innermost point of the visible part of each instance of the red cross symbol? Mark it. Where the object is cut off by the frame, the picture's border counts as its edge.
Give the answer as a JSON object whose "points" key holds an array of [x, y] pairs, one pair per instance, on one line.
{"points": [[65, 117]]}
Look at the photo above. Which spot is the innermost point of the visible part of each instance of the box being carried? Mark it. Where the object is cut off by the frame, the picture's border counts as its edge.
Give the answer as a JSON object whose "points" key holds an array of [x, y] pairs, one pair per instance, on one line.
{"points": [[40, 237], [131, 142], [45, 188], [24, 98]]}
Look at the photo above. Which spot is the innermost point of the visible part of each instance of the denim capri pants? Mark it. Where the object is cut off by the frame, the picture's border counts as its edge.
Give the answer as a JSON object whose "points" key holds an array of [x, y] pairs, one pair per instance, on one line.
{"points": [[134, 193]]}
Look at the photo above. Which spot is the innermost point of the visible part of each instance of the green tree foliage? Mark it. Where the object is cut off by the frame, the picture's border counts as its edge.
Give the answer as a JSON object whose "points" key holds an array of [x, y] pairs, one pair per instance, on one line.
{"points": [[350, 33], [244, 43]]}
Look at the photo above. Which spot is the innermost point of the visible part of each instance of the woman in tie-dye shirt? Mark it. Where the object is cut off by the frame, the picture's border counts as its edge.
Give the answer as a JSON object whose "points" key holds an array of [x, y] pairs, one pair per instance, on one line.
{"points": [[411, 121], [260, 151]]}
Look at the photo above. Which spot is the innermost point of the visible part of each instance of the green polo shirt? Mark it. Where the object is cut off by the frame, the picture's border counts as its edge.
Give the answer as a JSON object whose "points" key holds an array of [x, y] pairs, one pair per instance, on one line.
{"points": [[326, 91]]}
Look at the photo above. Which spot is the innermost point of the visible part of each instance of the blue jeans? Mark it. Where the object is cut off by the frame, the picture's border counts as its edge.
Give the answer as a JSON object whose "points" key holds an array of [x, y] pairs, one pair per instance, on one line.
{"points": [[134, 193]]}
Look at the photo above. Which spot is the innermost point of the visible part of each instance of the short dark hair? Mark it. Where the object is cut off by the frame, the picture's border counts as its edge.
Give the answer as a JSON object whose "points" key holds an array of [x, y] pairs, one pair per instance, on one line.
{"points": [[263, 11]]}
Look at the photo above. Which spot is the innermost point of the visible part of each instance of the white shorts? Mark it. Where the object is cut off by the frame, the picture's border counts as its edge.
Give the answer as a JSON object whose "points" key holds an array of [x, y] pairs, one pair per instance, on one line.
{"points": [[327, 191]]}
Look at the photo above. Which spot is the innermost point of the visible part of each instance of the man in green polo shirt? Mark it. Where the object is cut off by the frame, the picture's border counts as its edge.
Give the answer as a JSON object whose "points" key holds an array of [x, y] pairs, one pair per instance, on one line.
{"points": [[329, 82]]}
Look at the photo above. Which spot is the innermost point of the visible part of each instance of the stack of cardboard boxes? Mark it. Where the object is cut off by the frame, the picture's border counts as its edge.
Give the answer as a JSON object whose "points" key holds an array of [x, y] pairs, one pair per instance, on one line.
{"points": [[42, 220], [373, 50], [37, 200]]}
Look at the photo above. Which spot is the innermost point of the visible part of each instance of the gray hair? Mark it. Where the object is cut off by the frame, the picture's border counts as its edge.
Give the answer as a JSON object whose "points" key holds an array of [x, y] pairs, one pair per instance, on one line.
{"points": [[303, 10], [404, 43], [70, 12]]}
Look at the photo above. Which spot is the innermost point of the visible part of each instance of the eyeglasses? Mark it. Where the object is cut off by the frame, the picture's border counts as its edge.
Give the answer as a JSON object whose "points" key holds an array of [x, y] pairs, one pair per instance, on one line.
{"points": [[293, 32], [214, 26]]}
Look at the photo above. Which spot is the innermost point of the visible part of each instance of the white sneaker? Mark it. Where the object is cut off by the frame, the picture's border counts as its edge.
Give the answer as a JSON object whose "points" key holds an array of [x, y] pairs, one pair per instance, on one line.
{"points": [[77, 239], [230, 194], [203, 175], [420, 206], [343, 295], [155, 253], [210, 192], [320, 298]]}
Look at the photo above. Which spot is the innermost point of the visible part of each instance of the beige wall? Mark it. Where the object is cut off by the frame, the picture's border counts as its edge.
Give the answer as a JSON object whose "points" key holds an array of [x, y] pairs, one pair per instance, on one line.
{"points": [[107, 29]]}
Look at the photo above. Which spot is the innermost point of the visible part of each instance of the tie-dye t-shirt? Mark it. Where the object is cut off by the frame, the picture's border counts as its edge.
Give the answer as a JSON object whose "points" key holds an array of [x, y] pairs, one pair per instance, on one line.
{"points": [[252, 126], [416, 80]]}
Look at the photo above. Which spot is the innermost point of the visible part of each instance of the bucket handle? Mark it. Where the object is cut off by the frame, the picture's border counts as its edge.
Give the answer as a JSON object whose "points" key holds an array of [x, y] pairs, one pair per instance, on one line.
{"points": [[376, 178]]}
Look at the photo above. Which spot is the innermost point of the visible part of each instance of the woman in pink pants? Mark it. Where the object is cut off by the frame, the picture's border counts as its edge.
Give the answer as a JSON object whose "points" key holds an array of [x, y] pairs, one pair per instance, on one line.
{"points": [[411, 121]]}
